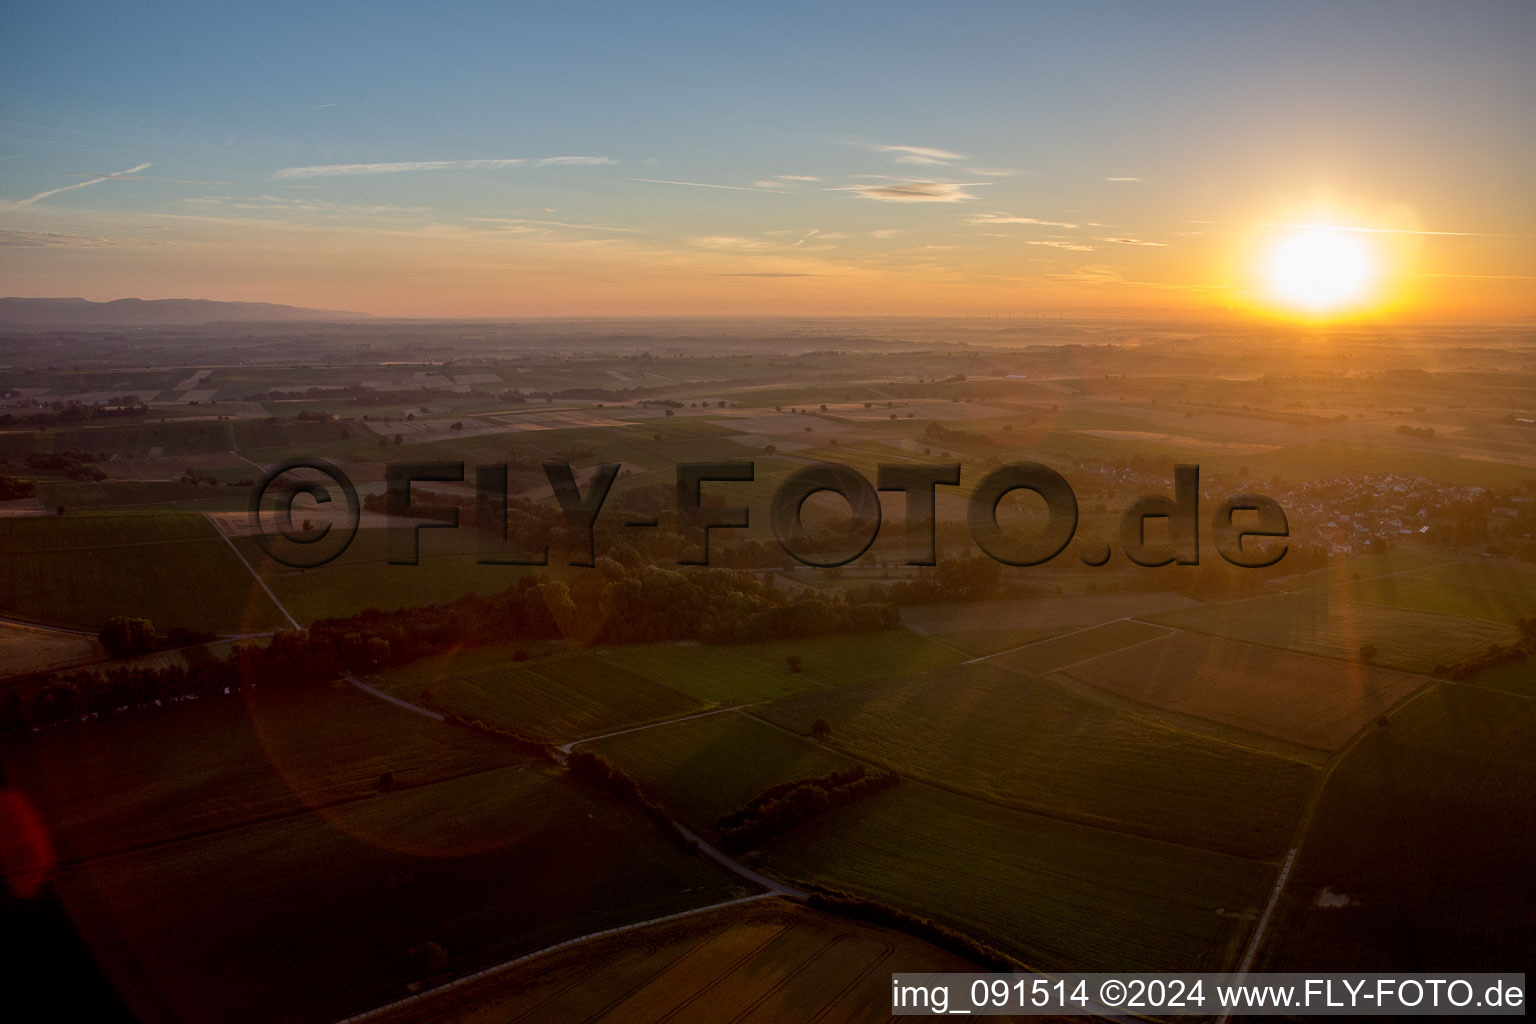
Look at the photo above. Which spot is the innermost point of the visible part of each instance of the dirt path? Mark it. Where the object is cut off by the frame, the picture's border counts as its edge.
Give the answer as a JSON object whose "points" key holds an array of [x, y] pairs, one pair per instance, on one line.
{"points": [[773, 887], [457, 982], [252, 570]]}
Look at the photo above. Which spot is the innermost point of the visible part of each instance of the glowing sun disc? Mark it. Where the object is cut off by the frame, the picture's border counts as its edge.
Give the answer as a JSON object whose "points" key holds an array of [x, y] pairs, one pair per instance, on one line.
{"points": [[1319, 270]]}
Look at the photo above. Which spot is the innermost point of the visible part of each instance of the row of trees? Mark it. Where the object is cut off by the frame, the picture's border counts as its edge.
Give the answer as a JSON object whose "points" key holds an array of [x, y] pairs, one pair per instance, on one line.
{"points": [[596, 770], [789, 804], [1495, 655], [613, 605]]}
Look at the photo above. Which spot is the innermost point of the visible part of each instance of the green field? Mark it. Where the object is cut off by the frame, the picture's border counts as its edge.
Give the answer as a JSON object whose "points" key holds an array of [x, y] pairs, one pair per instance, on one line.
{"points": [[306, 914], [1059, 652], [1059, 896], [74, 495], [361, 577], [1325, 622], [1027, 742], [855, 658], [1424, 833], [988, 627], [308, 918], [202, 766], [718, 675], [558, 699], [1473, 590], [174, 569], [704, 767]]}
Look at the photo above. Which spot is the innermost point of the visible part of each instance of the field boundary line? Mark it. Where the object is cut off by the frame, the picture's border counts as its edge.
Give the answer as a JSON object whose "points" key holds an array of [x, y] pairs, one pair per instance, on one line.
{"points": [[1074, 632], [565, 748], [374, 691], [526, 957], [252, 570], [1126, 647], [1305, 826], [1061, 817]]}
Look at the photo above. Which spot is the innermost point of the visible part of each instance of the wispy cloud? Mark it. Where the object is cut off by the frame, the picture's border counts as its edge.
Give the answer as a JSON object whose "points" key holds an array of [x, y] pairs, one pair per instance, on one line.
{"points": [[915, 191], [531, 222], [1122, 179], [702, 184], [321, 106], [739, 243], [773, 275], [1373, 231], [1054, 244], [303, 204], [1008, 218], [993, 172], [913, 154], [53, 240], [1132, 241], [797, 177], [81, 184], [350, 170]]}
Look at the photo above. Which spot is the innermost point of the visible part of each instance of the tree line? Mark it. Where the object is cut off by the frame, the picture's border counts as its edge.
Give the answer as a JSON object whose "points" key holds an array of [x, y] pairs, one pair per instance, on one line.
{"points": [[613, 605], [787, 805]]}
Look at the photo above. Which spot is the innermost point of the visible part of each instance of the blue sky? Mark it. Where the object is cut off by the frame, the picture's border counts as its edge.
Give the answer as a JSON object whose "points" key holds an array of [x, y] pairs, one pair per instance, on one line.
{"points": [[879, 157]]}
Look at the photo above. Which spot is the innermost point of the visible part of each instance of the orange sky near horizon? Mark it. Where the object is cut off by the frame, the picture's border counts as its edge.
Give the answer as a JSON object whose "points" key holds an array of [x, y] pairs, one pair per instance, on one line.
{"points": [[667, 163]]}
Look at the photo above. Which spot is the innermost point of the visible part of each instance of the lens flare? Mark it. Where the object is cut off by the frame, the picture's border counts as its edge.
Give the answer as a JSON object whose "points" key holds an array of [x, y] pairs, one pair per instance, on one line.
{"points": [[1320, 270]]}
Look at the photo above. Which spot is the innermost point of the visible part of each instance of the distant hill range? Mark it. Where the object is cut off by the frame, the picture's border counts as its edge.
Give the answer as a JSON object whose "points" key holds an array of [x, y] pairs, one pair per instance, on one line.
{"points": [[121, 312]]}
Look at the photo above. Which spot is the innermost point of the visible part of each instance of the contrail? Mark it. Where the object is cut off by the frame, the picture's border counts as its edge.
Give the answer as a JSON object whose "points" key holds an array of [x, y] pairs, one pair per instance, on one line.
{"points": [[79, 184]]}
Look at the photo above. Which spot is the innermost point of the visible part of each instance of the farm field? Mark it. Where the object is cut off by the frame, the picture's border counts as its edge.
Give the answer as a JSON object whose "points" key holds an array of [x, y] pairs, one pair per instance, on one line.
{"points": [[706, 672], [1471, 590], [488, 866], [1311, 701], [1058, 652], [348, 589], [702, 768], [556, 699], [1515, 678], [144, 494], [986, 627], [27, 649], [757, 963], [1420, 850], [1094, 774], [1024, 741], [1325, 622], [1055, 894], [856, 658], [137, 781], [1366, 567], [81, 570]]}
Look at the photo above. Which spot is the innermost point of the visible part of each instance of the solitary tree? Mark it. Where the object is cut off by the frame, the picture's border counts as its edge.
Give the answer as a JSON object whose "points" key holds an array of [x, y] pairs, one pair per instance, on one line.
{"points": [[1368, 651], [793, 661], [821, 728]]}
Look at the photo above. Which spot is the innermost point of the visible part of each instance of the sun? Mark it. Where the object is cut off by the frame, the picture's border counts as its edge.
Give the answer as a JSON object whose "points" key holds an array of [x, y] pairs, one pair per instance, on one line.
{"points": [[1320, 270]]}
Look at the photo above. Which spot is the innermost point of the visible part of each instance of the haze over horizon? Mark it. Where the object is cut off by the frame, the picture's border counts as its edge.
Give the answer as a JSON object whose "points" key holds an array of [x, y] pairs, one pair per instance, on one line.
{"points": [[608, 161]]}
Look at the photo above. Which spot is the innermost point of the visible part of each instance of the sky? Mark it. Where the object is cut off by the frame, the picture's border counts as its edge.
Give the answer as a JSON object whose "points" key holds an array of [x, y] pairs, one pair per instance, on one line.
{"points": [[594, 159]]}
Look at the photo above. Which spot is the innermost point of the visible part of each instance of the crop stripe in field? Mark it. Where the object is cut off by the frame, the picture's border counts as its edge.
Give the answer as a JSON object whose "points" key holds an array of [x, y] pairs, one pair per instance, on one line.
{"points": [[1301, 833], [565, 748], [374, 691], [252, 570], [1063, 636], [486, 972]]}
